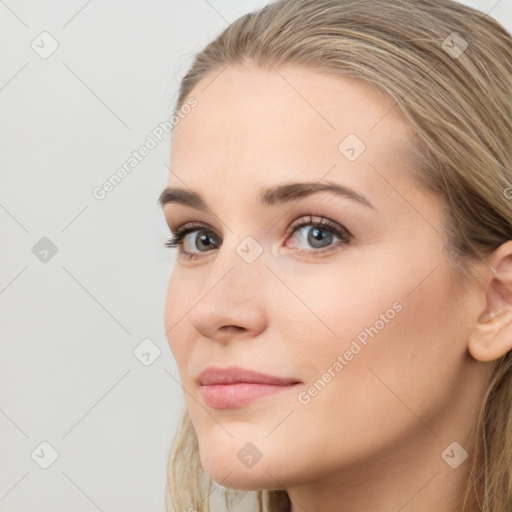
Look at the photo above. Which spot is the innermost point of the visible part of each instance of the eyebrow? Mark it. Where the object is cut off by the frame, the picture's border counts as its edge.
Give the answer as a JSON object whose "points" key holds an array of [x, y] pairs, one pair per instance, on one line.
{"points": [[271, 196]]}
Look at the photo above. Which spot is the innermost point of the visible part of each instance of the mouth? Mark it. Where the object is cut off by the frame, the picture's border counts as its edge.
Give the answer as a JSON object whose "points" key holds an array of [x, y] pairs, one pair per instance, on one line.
{"points": [[235, 387]]}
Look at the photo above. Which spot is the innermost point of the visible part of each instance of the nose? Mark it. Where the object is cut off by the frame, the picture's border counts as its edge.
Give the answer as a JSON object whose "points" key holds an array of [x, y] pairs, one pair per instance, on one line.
{"points": [[231, 304]]}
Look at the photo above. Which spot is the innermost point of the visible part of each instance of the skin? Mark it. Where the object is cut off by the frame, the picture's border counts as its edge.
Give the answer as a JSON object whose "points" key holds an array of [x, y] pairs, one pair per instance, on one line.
{"points": [[372, 438]]}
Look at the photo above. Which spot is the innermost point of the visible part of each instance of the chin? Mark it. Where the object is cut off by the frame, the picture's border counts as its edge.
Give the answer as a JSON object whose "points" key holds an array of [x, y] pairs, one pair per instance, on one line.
{"points": [[237, 467]]}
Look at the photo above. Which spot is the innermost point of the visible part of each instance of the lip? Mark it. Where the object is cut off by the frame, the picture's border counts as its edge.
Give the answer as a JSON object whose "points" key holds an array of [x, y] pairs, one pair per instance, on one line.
{"points": [[225, 388]]}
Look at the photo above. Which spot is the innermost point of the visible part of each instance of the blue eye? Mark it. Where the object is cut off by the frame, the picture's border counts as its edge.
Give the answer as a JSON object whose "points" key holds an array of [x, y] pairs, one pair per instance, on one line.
{"points": [[320, 235], [179, 239]]}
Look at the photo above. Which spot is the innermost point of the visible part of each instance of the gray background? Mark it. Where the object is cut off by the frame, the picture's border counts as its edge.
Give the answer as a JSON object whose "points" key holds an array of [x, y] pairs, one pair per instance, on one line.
{"points": [[71, 321]]}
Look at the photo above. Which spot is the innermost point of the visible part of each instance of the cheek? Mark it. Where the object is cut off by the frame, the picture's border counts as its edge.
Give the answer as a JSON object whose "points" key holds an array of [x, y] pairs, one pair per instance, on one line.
{"points": [[179, 300], [397, 338], [343, 302]]}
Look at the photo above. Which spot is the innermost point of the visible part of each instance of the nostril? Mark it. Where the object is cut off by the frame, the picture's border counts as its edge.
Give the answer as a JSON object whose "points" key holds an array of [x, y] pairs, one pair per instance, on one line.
{"points": [[230, 328]]}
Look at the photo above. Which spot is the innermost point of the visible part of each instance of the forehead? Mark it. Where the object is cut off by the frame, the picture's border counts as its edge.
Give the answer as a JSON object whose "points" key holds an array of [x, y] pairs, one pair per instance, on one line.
{"points": [[290, 121]]}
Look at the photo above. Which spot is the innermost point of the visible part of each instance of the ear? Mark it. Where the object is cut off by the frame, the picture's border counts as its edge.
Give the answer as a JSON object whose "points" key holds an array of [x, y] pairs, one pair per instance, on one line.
{"points": [[491, 335]]}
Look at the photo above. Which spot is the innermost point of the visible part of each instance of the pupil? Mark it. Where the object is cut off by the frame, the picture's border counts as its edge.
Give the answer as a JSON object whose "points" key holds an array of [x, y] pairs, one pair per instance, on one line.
{"points": [[317, 236], [204, 239]]}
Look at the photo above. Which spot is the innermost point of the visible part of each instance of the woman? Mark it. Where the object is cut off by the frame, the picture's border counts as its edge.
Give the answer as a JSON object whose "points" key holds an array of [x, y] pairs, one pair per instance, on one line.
{"points": [[340, 308]]}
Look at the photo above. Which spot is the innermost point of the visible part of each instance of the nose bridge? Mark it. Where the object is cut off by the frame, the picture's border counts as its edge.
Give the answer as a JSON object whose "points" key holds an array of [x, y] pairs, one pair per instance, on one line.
{"points": [[234, 292], [238, 272]]}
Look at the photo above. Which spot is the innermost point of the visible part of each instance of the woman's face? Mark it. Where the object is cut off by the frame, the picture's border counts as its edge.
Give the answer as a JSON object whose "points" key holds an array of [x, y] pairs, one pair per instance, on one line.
{"points": [[361, 316]]}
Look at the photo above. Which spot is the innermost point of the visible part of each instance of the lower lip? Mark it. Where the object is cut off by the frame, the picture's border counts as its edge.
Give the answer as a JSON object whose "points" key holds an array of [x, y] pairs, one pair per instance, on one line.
{"points": [[227, 396]]}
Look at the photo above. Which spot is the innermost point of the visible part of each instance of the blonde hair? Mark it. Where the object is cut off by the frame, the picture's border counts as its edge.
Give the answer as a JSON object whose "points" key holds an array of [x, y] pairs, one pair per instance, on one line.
{"points": [[457, 99]]}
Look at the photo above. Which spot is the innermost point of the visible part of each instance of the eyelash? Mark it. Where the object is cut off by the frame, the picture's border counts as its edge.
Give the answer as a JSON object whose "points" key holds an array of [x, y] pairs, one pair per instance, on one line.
{"points": [[176, 241]]}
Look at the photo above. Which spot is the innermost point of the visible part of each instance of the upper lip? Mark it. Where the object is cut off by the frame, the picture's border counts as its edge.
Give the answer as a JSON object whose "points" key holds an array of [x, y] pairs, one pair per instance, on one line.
{"points": [[234, 374]]}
